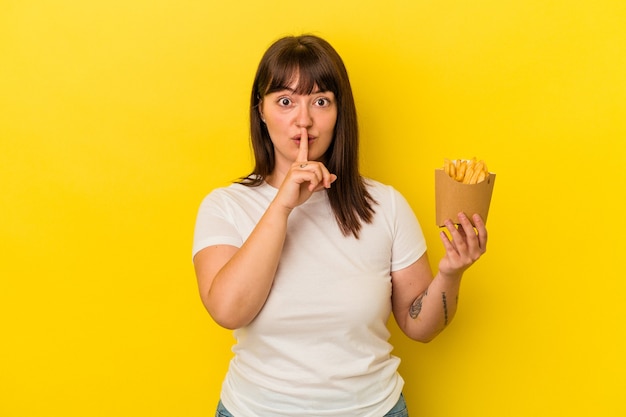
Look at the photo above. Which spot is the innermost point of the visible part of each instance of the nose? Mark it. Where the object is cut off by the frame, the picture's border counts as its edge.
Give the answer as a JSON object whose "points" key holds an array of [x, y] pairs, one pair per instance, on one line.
{"points": [[303, 118]]}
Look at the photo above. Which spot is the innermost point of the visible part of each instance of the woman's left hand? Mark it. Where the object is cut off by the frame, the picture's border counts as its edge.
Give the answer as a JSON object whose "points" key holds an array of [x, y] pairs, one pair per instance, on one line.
{"points": [[464, 246]]}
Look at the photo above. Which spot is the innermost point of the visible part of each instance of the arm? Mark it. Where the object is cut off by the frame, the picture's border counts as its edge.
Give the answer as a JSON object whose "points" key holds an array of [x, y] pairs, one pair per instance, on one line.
{"points": [[422, 305], [235, 282]]}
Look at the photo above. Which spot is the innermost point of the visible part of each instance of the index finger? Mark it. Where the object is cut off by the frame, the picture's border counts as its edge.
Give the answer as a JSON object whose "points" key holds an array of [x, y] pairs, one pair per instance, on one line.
{"points": [[303, 150]]}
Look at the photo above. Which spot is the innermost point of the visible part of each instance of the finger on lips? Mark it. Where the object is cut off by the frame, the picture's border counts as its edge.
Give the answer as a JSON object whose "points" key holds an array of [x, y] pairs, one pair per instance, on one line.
{"points": [[323, 178], [303, 150]]}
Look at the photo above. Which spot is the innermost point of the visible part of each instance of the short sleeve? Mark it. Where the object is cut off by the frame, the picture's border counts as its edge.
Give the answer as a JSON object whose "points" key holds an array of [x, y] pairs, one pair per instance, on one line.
{"points": [[409, 243], [214, 225]]}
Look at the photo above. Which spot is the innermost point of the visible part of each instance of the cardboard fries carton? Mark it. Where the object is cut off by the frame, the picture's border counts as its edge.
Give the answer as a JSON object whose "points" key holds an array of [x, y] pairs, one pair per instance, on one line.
{"points": [[453, 197]]}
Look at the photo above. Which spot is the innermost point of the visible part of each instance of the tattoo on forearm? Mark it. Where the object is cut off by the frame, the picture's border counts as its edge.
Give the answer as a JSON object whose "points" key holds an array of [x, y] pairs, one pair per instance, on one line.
{"points": [[445, 308], [416, 307]]}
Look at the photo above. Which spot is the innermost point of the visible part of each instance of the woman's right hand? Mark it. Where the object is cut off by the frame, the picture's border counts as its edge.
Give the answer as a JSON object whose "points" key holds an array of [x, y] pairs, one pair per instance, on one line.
{"points": [[235, 282], [303, 178]]}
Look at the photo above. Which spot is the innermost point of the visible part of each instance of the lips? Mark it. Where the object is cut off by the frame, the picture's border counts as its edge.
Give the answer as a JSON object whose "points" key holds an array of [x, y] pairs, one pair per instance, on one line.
{"points": [[297, 138]]}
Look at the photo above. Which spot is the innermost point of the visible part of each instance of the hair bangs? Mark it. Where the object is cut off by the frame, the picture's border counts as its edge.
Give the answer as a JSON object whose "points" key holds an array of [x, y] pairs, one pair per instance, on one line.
{"points": [[304, 68]]}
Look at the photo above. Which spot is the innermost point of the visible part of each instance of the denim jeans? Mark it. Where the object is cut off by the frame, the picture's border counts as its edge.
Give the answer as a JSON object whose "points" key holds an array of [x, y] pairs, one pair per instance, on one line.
{"points": [[398, 410]]}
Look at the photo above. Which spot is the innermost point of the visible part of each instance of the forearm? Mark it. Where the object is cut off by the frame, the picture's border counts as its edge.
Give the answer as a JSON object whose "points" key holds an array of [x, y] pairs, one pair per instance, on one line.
{"points": [[242, 285], [433, 309]]}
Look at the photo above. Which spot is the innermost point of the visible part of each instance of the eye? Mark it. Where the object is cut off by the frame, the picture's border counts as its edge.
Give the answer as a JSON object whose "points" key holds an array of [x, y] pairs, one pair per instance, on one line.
{"points": [[322, 102], [284, 101]]}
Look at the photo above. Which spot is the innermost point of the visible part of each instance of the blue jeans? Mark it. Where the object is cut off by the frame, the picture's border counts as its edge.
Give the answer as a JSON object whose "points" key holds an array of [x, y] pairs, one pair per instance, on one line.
{"points": [[398, 410]]}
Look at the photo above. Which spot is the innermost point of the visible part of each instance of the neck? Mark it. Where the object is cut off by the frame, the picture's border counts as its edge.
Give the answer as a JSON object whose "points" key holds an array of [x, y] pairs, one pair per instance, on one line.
{"points": [[276, 178]]}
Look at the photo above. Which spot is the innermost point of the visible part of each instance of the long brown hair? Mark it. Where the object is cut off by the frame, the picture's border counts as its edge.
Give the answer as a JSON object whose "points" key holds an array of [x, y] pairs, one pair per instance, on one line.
{"points": [[315, 63]]}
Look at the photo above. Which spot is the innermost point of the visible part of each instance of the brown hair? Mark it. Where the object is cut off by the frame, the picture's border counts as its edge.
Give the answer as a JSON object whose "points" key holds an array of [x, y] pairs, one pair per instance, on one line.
{"points": [[315, 63]]}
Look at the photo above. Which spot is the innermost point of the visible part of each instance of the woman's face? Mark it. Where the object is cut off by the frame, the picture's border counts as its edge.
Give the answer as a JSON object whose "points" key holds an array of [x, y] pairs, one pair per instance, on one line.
{"points": [[285, 113]]}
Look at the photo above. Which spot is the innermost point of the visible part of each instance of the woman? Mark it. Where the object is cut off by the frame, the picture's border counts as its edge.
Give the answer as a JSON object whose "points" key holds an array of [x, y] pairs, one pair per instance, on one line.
{"points": [[305, 259]]}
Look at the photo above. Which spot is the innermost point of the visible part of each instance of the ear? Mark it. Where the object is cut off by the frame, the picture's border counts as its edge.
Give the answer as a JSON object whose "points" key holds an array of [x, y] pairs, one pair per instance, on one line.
{"points": [[261, 112]]}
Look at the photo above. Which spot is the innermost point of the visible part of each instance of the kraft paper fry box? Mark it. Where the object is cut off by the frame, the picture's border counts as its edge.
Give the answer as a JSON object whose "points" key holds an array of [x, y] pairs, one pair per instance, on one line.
{"points": [[453, 197]]}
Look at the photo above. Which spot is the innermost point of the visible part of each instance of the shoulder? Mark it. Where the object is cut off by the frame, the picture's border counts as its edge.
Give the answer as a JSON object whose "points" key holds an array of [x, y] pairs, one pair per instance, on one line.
{"points": [[389, 200], [238, 196], [382, 193], [237, 191], [223, 197], [222, 194]]}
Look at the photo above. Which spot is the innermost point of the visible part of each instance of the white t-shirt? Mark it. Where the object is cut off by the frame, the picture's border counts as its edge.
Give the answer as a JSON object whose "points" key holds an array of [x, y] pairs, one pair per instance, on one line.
{"points": [[319, 346]]}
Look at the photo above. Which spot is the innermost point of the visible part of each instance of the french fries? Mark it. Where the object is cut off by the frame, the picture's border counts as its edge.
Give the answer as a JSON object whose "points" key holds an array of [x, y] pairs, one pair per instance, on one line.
{"points": [[466, 171]]}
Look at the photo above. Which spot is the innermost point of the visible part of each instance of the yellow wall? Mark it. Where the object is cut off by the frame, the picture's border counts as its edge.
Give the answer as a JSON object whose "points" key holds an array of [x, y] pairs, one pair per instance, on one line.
{"points": [[118, 116]]}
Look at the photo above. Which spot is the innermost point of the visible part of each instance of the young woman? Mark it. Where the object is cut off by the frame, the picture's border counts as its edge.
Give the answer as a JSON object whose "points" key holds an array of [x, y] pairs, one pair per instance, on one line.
{"points": [[306, 259]]}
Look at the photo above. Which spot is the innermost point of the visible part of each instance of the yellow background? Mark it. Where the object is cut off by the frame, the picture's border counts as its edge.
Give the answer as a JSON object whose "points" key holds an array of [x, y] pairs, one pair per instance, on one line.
{"points": [[118, 116]]}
